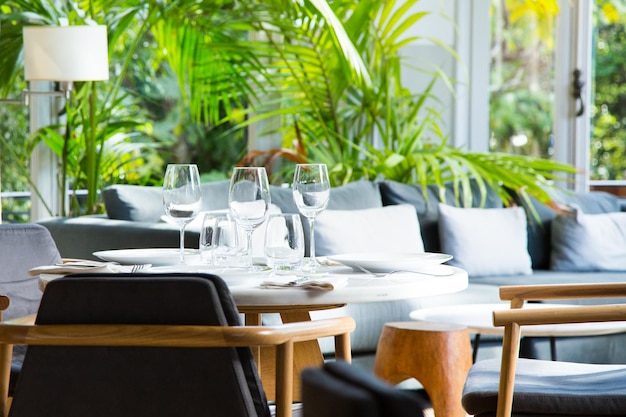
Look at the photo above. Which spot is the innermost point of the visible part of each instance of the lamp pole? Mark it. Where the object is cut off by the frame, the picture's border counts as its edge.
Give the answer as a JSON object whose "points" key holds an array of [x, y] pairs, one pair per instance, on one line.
{"points": [[44, 162]]}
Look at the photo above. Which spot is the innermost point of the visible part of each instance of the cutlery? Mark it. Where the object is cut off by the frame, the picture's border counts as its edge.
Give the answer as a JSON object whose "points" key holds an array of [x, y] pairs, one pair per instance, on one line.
{"points": [[299, 281], [396, 271]]}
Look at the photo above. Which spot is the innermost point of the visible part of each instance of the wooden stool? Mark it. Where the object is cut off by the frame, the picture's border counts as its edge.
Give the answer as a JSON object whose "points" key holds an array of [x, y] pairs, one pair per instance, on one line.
{"points": [[438, 355]]}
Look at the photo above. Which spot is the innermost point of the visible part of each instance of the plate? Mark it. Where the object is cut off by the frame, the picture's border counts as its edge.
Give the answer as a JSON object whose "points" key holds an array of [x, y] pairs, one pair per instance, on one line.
{"points": [[387, 262], [155, 256]]}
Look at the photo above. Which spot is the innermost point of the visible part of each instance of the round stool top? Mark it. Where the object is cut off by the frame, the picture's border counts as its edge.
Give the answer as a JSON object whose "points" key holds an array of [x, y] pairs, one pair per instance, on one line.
{"points": [[429, 326], [479, 319]]}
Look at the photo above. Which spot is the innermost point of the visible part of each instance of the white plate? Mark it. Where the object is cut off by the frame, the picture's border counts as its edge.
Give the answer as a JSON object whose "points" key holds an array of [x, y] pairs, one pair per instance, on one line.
{"points": [[232, 276], [155, 256], [386, 262]]}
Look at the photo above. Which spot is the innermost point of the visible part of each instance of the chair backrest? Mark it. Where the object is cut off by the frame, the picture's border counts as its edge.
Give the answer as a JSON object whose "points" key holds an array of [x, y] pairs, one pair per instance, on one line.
{"points": [[22, 247], [339, 389], [138, 381]]}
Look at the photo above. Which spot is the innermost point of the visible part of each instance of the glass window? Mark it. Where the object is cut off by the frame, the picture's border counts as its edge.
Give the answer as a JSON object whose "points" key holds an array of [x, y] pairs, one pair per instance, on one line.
{"points": [[522, 76]]}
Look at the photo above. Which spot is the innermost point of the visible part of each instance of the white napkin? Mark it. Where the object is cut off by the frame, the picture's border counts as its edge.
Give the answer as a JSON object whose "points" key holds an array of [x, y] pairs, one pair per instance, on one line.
{"points": [[82, 266], [305, 283]]}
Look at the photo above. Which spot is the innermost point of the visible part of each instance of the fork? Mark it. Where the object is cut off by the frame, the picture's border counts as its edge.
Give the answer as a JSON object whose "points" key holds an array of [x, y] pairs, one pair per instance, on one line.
{"points": [[139, 267]]}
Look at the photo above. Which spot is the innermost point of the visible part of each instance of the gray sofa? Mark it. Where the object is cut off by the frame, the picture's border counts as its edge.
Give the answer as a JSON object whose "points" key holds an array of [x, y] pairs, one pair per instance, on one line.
{"points": [[134, 214]]}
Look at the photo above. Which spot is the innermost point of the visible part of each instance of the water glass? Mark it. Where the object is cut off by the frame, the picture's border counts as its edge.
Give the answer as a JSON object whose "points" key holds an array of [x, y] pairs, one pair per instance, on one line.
{"points": [[284, 242], [228, 248], [208, 230]]}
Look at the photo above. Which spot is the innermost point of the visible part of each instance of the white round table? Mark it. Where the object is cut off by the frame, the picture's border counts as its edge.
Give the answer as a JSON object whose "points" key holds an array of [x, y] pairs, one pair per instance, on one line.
{"points": [[295, 304], [478, 319], [355, 287]]}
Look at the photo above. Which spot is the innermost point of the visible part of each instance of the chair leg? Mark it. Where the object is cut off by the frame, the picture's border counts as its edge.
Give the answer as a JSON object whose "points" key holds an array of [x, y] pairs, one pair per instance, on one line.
{"points": [[438, 355], [5, 360]]}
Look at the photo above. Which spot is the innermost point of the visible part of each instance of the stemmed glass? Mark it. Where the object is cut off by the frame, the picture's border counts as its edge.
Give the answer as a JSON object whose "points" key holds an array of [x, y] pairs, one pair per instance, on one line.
{"points": [[249, 199], [311, 192], [182, 197]]}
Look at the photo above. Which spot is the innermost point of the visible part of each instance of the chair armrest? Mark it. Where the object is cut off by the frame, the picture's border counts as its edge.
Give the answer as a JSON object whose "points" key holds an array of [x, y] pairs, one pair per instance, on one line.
{"points": [[562, 291], [16, 332], [561, 315]]}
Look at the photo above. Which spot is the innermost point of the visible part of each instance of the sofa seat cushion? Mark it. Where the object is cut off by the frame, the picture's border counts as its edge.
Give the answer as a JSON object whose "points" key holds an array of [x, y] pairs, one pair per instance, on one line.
{"points": [[561, 392]]}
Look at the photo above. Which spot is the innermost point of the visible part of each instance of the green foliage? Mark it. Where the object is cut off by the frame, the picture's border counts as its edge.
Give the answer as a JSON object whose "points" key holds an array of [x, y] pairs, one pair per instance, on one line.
{"points": [[325, 76], [521, 79], [608, 145]]}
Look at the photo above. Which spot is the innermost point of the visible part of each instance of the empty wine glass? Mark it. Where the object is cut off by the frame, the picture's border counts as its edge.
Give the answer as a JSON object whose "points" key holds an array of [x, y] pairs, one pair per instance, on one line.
{"points": [[182, 197], [311, 192], [249, 199]]}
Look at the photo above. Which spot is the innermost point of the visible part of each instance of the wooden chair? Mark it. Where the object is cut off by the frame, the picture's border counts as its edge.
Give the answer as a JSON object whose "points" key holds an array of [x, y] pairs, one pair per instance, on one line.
{"points": [[149, 345], [522, 387]]}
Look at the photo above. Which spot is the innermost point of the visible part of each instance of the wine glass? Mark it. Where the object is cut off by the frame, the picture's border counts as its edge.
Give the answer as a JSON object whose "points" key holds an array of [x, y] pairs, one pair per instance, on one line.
{"points": [[311, 192], [182, 197], [249, 199]]}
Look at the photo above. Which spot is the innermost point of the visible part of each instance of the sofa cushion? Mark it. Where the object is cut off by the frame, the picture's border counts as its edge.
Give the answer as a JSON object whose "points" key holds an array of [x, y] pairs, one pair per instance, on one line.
{"points": [[540, 229], [393, 192], [145, 204], [589, 242], [485, 241], [384, 229], [354, 195], [133, 202]]}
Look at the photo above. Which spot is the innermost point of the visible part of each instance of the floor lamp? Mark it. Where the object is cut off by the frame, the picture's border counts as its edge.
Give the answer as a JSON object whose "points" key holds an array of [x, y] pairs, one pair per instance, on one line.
{"points": [[63, 54]]}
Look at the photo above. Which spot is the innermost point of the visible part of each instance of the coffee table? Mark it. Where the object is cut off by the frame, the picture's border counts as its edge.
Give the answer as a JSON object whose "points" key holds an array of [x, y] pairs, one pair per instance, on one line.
{"points": [[478, 319]]}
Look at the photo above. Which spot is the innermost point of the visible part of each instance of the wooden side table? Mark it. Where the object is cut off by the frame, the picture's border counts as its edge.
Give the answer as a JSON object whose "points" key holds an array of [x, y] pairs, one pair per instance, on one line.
{"points": [[438, 355]]}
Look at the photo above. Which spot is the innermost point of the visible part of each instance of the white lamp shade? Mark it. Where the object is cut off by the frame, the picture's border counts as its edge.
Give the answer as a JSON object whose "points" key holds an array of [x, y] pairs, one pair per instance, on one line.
{"points": [[66, 53]]}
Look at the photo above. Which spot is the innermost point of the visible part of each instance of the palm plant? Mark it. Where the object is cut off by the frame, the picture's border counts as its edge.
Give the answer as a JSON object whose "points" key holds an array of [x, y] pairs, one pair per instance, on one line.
{"points": [[331, 74], [324, 75]]}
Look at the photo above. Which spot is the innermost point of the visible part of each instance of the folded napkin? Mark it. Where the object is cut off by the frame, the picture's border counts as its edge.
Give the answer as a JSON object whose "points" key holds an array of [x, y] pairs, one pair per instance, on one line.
{"points": [[84, 266], [305, 283]]}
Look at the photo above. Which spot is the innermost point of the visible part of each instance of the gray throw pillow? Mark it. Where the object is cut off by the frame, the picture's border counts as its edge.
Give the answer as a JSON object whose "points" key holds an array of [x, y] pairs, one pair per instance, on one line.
{"points": [[145, 204], [355, 195], [589, 242], [133, 202], [485, 242]]}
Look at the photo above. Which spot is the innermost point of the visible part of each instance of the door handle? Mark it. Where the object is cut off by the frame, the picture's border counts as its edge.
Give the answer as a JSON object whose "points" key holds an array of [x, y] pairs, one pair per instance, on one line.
{"points": [[577, 92]]}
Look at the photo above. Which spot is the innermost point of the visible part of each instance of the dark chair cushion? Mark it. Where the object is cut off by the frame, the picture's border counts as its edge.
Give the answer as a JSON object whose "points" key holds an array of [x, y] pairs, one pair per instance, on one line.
{"points": [[545, 388], [339, 389], [135, 381]]}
